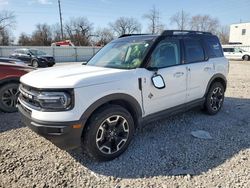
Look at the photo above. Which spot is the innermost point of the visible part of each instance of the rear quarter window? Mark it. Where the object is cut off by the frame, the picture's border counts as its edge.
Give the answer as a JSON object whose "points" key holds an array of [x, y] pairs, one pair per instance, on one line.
{"points": [[213, 47]]}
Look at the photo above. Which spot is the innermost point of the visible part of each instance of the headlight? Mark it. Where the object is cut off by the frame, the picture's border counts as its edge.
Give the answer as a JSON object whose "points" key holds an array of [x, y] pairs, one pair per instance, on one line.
{"points": [[42, 59], [55, 100]]}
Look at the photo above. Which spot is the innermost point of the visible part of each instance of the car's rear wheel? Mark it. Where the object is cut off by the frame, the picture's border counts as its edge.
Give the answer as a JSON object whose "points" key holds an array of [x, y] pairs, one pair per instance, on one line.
{"points": [[35, 63], [215, 98], [8, 97], [246, 58], [109, 133]]}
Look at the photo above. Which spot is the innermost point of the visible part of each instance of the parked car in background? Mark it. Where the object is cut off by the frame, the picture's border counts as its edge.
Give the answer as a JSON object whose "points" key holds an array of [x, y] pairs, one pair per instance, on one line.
{"points": [[236, 53], [9, 83], [63, 43], [33, 57], [12, 61]]}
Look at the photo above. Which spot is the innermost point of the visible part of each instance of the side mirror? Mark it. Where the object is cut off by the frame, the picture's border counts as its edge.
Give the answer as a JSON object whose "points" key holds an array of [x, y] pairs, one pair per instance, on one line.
{"points": [[158, 81], [240, 51], [29, 54]]}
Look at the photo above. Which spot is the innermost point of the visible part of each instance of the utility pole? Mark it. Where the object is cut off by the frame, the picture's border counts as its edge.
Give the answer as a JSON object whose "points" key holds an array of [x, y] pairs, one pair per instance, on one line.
{"points": [[60, 13], [182, 20]]}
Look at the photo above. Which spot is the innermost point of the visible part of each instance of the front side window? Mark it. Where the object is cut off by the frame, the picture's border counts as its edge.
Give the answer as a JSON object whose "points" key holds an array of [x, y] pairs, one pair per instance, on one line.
{"points": [[121, 54], [166, 54], [37, 52], [239, 50], [194, 51]]}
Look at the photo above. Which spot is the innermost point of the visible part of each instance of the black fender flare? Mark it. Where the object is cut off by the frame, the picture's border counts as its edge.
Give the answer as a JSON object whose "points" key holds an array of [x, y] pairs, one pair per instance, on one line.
{"points": [[128, 99], [217, 76], [8, 80]]}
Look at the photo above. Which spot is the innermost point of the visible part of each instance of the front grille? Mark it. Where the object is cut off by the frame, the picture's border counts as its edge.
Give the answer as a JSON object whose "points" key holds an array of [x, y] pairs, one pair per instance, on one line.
{"points": [[28, 95], [50, 59]]}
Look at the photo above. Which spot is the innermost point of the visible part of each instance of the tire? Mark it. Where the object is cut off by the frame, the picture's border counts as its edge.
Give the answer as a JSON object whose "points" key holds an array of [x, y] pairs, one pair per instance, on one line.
{"points": [[109, 132], [35, 63], [246, 58], [8, 97], [215, 98]]}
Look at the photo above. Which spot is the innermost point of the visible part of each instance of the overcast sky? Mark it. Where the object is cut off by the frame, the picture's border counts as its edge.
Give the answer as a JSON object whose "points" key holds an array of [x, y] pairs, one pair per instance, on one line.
{"points": [[101, 12]]}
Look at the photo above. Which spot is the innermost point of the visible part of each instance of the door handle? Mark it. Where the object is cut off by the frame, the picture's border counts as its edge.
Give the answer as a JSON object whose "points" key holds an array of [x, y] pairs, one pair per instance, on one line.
{"points": [[178, 74], [207, 69]]}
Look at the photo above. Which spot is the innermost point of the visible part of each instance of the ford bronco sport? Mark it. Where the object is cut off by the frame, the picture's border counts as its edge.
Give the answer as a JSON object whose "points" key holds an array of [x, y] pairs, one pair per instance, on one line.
{"points": [[133, 79]]}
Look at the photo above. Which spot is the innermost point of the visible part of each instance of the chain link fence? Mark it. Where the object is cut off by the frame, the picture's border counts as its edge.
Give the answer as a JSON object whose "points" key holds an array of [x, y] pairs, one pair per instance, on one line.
{"points": [[61, 54]]}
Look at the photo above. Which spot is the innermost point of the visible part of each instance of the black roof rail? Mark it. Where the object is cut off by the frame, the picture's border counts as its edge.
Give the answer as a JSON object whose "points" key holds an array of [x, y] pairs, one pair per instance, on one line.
{"points": [[183, 32], [128, 35]]}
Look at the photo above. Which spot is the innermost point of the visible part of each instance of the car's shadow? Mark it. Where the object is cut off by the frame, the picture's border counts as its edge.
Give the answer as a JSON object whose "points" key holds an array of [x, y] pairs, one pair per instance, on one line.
{"points": [[167, 147], [9, 121]]}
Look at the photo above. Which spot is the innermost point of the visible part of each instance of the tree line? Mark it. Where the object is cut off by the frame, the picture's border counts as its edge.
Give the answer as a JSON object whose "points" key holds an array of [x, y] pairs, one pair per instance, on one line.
{"points": [[82, 32]]}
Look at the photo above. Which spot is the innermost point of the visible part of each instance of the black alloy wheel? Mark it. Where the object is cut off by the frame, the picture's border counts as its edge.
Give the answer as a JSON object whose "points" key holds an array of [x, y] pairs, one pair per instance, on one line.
{"points": [[108, 133], [215, 98], [8, 97]]}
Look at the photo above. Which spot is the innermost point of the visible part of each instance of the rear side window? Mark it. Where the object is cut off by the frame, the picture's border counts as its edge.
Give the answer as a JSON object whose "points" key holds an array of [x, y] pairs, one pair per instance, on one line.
{"points": [[214, 47], [194, 51], [228, 49]]}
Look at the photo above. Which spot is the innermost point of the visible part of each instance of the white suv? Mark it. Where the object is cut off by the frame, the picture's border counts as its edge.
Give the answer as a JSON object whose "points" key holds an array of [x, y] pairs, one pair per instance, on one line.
{"points": [[236, 53], [133, 79]]}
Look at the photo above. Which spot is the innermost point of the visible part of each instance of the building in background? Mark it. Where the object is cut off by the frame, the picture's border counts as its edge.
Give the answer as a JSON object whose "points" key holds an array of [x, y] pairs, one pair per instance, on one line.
{"points": [[240, 34]]}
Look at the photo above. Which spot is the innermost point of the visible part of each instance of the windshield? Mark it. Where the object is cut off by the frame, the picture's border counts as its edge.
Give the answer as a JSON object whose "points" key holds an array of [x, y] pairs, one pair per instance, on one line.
{"points": [[121, 55], [37, 52], [242, 50]]}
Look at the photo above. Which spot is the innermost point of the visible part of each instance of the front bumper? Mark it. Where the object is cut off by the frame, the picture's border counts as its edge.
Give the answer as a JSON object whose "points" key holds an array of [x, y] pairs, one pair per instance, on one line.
{"points": [[62, 134]]}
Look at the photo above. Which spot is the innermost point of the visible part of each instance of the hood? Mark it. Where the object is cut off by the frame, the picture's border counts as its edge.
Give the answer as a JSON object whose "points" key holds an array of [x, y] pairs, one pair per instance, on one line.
{"points": [[72, 76]]}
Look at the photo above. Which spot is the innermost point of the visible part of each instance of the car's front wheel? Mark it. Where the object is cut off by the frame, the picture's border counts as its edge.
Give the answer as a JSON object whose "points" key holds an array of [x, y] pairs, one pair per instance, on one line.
{"points": [[35, 63], [215, 98], [109, 132], [246, 58], [8, 97]]}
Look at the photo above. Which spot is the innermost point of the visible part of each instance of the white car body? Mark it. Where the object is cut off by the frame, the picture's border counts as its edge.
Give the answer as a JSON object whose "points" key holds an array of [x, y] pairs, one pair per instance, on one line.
{"points": [[129, 81], [235, 53], [92, 83]]}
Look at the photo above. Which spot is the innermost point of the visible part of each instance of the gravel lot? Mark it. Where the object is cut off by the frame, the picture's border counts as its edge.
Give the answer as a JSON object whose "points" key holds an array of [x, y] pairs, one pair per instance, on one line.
{"points": [[162, 154]]}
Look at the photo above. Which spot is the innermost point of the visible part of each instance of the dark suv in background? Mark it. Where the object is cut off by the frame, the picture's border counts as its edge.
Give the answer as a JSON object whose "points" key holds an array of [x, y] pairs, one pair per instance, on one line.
{"points": [[33, 57]]}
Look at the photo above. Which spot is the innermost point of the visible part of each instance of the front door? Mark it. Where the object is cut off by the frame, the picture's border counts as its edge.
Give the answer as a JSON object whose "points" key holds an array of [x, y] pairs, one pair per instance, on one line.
{"points": [[165, 61]]}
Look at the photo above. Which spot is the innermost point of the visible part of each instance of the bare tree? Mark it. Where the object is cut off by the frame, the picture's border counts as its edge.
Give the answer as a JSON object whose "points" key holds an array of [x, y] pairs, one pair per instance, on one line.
{"points": [[5, 38], [105, 35], [78, 30], [181, 20], [125, 25], [24, 40], [223, 34], [153, 17], [56, 32], [7, 19], [7, 22], [42, 36], [204, 23]]}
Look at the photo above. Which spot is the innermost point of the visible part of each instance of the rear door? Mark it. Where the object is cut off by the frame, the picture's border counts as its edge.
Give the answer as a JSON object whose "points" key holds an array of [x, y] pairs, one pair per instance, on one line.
{"points": [[227, 52], [199, 68]]}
